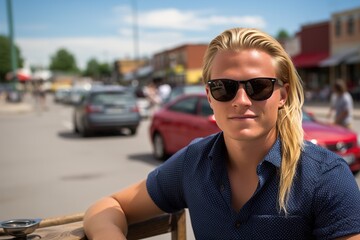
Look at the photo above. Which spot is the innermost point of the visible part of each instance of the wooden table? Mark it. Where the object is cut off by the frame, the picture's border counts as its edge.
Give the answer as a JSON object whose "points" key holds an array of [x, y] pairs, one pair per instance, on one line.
{"points": [[71, 228]]}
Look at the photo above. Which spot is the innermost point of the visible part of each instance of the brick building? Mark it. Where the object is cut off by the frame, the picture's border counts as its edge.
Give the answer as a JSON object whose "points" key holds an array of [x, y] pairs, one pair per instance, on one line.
{"points": [[313, 42], [180, 65], [344, 60]]}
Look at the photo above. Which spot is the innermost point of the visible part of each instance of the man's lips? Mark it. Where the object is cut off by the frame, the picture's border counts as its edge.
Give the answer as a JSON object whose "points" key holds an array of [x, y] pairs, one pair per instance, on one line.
{"points": [[246, 116]]}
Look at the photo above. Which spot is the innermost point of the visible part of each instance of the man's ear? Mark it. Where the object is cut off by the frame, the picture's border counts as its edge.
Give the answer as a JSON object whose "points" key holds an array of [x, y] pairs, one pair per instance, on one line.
{"points": [[283, 95], [208, 96]]}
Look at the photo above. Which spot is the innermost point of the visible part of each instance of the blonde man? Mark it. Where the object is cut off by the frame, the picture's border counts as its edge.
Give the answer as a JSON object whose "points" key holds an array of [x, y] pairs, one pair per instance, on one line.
{"points": [[257, 178]]}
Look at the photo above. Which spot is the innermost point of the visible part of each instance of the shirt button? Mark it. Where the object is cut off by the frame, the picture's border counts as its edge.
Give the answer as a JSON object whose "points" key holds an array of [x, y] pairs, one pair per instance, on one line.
{"points": [[222, 188], [237, 224]]}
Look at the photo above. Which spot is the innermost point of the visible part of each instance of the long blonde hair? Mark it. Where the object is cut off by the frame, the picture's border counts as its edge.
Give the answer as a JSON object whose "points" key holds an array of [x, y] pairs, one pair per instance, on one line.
{"points": [[289, 122]]}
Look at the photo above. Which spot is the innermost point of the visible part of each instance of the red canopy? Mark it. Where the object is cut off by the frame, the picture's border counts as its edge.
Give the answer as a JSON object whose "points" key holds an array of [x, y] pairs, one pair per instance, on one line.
{"points": [[307, 60], [23, 77]]}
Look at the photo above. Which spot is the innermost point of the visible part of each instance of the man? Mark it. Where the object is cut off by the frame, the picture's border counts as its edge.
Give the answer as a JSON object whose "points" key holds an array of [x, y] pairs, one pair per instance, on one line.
{"points": [[342, 104], [257, 178]]}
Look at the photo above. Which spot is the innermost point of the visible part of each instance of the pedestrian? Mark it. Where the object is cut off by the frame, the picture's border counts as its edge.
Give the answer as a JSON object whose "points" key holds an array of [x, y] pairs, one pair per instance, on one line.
{"points": [[342, 105], [257, 178], [164, 89], [40, 96], [152, 95]]}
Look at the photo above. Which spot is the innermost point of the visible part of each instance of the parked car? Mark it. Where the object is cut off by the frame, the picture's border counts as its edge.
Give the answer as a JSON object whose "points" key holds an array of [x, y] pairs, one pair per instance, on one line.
{"points": [[61, 94], [106, 108], [340, 140], [190, 116], [185, 89], [180, 121]]}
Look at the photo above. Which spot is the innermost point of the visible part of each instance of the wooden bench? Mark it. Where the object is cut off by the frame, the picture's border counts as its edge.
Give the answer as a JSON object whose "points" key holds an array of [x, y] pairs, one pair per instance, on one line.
{"points": [[71, 228]]}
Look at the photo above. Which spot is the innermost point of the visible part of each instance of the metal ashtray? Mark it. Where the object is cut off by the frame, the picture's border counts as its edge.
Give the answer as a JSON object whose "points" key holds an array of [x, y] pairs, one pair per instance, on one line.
{"points": [[20, 227]]}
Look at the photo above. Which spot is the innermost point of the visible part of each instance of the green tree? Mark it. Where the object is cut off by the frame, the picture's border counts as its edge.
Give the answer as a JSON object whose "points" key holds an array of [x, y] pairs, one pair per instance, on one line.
{"points": [[282, 35], [105, 70], [97, 70], [63, 61], [5, 57], [92, 69]]}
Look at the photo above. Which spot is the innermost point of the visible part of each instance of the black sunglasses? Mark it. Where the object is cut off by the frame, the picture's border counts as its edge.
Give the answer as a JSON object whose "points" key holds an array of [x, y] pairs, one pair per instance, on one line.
{"points": [[257, 89]]}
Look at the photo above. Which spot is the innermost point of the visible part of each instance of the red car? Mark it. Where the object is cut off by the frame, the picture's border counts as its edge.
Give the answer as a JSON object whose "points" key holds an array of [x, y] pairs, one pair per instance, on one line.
{"points": [[337, 139], [180, 121], [190, 116]]}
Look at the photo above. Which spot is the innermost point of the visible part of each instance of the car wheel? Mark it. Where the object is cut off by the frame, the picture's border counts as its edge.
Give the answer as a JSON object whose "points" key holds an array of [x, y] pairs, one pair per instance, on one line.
{"points": [[75, 127], [84, 131], [133, 131], [159, 147]]}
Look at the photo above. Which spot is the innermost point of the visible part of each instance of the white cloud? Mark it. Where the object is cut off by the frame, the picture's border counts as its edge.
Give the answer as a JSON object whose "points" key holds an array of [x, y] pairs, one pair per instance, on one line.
{"points": [[38, 51], [172, 18], [159, 29]]}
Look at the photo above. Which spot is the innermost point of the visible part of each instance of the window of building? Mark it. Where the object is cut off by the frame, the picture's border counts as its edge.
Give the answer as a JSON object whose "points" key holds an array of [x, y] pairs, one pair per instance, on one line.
{"points": [[350, 26], [337, 27]]}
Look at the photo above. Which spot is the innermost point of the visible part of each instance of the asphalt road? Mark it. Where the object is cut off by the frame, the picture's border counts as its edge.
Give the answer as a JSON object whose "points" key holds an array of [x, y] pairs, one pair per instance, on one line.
{"points": [[47, 170]]}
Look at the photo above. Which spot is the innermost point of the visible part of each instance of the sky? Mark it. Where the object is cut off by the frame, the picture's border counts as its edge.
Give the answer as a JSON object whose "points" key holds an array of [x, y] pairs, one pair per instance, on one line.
{"points": [[104, 29]]}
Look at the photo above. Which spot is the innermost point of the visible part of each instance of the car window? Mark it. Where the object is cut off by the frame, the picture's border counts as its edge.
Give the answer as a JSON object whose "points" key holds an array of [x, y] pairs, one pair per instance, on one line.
{"points": [[306, 117], [177, 91], [112, 98], [187, 105], [204, 108]]}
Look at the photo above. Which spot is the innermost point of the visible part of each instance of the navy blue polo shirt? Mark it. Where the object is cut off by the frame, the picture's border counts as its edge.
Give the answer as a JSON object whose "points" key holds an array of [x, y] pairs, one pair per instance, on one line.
{"points": [[324, 202]]}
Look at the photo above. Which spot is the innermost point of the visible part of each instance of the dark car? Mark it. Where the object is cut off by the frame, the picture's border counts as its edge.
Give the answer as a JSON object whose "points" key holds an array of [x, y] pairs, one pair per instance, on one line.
{"points": [[190, 116], [106, 108]]}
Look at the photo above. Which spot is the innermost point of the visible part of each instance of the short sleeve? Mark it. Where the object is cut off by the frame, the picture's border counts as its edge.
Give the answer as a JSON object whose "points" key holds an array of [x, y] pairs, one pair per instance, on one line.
{"points": [[337, 202], [164, 184]]}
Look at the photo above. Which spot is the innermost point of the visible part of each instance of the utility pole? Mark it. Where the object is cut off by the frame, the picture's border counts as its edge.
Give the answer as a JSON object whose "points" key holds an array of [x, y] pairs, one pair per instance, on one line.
{"points": [[135, 40], [12, 45]]}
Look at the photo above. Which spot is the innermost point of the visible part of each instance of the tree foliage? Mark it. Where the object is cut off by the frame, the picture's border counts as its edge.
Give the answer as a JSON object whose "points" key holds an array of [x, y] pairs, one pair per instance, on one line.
{"points": [[282, 35], [97, 70], [5, 57], [63, 61]]}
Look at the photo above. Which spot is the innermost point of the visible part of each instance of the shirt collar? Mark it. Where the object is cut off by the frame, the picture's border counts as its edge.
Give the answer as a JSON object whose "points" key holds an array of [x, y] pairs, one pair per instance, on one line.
{"points": [[218, 152], [274, 155]]}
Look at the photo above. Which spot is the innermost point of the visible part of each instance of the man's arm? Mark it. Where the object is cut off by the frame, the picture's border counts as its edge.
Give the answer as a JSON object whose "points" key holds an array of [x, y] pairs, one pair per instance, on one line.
{"points": [[350, 237], [109, 217]]}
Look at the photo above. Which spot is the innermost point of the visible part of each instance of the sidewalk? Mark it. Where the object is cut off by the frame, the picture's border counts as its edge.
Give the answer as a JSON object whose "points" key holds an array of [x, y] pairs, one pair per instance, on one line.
{"points": [[24, 106], [321, 109]]}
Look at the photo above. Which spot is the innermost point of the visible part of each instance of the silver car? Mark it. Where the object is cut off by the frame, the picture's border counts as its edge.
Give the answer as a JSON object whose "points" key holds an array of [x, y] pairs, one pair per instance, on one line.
{"points": [[110, 108]]}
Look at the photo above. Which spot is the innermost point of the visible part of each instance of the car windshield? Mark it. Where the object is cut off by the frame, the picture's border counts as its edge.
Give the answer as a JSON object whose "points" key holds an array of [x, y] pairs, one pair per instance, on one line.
{"points": [[177, 91], [306, 117], [112, 98]]}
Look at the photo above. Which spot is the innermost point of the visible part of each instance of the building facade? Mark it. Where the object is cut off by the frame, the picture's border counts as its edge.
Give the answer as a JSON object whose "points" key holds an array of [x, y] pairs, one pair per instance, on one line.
{"points": [[180, 65], [314, 47], [325, 51], [344, 60]]}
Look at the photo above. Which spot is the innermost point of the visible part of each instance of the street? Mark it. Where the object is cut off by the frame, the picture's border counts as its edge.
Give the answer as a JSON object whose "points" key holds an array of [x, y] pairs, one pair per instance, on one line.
{"points": [[47, 170]]}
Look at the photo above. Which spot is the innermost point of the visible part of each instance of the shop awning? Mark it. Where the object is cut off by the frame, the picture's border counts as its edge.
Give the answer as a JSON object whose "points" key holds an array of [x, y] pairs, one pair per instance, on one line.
{"points": [[338, 58], [353, 59], [307, 60]]}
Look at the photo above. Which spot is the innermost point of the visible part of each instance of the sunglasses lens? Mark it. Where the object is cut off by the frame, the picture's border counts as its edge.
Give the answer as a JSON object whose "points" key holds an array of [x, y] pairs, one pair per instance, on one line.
{"points": [[260, 88], [223, 90], [257, 89]]}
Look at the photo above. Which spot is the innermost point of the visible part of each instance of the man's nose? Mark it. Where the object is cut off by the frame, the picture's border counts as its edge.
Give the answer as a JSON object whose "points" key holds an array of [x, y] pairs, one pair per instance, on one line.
{"points": [[241, 96]]}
